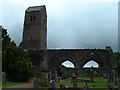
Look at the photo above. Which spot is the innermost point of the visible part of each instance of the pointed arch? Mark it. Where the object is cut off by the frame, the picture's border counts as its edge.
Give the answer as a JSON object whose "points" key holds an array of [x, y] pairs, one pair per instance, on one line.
{"points": [[58, 59], [68, 64], [91, 63]]}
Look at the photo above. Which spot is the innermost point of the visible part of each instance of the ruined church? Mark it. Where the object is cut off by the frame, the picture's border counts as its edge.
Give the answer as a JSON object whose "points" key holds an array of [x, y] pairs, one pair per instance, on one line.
{"points": [[35, 41]]}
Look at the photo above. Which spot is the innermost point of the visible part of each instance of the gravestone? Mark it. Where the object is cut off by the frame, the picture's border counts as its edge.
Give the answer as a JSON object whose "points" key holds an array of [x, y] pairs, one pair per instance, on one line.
{"points": [[3, 78], [113, 77], [56, 76], [36, 83], [52, 84]]}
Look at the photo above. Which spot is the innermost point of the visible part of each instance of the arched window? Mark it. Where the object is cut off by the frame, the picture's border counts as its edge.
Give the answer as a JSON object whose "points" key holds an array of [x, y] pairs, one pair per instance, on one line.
{"points": [[68, 64], [90, 64]]}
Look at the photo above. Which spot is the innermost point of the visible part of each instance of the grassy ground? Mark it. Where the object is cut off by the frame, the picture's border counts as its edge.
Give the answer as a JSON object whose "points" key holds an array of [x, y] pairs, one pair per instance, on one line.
{"points": [[11, 84], [101, 83], [15, 83]]}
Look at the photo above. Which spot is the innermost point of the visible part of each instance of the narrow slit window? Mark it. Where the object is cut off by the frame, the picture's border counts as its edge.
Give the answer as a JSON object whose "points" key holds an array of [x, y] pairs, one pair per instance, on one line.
{"points": [[31, 18], [34, 18]]}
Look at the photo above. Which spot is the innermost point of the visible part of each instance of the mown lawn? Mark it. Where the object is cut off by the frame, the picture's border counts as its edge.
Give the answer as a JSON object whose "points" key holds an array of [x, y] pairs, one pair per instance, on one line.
{"points": [[11, 84], [101, 83]]}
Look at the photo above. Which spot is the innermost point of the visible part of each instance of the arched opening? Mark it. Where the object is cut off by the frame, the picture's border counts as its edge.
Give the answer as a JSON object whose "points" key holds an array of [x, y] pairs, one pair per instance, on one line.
{"points": [[65, 69], [95, 68], [90, 64], [68, 64]]}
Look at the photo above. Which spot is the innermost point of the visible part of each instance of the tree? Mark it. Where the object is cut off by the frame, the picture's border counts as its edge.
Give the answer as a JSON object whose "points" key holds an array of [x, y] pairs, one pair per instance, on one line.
{"points": [[5, 38], [117, 58], [16, 61]]}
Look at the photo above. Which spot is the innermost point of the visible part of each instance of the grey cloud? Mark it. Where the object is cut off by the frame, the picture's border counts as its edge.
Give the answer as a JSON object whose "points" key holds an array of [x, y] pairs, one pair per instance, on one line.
{"points": [[78, 25]]}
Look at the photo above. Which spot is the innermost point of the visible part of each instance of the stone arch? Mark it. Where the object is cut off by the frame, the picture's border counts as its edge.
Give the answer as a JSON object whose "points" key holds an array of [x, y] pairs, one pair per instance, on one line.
{"points": [[71, 65], [95, 56], [58, 59], [91, 65], [100, 57], [97, 61]]}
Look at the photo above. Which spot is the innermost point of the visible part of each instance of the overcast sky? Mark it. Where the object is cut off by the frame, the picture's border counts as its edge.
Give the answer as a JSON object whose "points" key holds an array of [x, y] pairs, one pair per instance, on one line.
{"points": [[71, 23]]}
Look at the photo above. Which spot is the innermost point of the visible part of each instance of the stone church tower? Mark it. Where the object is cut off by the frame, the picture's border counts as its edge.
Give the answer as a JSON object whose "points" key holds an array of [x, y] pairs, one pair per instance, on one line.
{"points": [[35, 28]]}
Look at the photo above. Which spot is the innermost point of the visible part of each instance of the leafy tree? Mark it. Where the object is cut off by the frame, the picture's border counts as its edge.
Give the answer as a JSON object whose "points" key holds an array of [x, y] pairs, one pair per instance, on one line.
{"points": [[16, 61], [117, 58], [5, 38]]}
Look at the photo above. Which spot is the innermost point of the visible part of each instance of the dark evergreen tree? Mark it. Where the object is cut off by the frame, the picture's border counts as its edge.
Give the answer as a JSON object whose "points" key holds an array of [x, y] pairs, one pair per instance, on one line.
{"points": [[5, 38], [15, 60]]}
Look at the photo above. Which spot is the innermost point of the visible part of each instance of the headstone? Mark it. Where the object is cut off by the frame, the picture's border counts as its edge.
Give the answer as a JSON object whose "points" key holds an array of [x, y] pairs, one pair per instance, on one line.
{"points": [[41, 81], [56, 79], [3, 78], [74, 80], [52, 84], [44, 79], [36, 83], [113, 77]]}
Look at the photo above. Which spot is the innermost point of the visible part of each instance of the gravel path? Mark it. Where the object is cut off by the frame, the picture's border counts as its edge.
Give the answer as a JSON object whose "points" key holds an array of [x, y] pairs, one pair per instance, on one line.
{"points": [[27, 85]]}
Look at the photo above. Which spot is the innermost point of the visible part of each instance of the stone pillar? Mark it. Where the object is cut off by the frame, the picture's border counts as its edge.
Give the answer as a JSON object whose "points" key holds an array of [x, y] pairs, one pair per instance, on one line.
{"points": [[44, 72], [49, 76], [106, 72], [91, 75], [113, 77], [42, 80], [56, 76], [74, 80]]}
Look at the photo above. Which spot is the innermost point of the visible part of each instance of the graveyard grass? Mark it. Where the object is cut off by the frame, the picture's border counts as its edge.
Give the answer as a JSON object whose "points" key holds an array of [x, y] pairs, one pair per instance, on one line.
{"points": [[11, 84], [101, 83]]}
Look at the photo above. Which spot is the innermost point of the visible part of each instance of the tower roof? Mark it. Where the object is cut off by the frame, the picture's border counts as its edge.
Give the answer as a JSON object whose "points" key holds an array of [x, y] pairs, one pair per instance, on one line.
{"points": [[35, 8]]}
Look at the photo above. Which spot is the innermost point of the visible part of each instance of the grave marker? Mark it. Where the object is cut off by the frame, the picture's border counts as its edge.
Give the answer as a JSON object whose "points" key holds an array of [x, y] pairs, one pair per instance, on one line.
{"points": [[3, 78]]}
